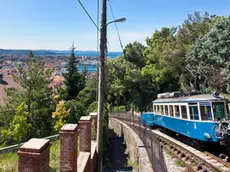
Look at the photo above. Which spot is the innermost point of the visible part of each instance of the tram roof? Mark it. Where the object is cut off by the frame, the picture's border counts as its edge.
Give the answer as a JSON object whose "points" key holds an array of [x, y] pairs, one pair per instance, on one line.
{"points": [[194, 98]]}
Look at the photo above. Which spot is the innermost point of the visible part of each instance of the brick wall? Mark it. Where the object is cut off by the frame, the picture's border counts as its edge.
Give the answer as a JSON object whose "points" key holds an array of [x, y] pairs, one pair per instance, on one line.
{"points": [[68, 147], [85, 133], [34, 156]]}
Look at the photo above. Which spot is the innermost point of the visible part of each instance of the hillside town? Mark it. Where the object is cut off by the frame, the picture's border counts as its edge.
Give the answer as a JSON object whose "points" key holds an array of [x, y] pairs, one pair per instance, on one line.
{"points": [[9, 64]]}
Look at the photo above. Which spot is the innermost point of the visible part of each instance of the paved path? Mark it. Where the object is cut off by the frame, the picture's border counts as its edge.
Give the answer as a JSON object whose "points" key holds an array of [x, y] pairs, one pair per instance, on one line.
{"points": [[116, 154]]}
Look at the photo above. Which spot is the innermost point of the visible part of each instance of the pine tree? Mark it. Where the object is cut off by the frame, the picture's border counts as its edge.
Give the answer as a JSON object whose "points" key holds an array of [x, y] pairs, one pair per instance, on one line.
{"points": [[74, 80], [34, 80]]}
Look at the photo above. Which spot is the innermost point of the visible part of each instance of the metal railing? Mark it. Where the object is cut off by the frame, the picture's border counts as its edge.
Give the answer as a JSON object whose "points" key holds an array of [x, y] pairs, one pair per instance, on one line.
{"points": [[152, 145], [15, 147]]}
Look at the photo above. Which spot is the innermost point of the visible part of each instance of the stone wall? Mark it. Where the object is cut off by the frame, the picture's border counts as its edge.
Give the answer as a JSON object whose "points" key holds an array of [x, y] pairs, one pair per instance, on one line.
{"points": [[135, 146]]}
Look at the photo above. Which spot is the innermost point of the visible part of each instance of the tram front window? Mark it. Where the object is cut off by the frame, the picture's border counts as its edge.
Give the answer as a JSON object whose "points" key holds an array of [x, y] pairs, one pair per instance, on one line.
{"points": [[218, 110]]}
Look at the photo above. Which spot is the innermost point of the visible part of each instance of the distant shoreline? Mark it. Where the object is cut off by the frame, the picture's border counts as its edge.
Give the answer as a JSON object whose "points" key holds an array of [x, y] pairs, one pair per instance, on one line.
{"points": [[55, 53]]}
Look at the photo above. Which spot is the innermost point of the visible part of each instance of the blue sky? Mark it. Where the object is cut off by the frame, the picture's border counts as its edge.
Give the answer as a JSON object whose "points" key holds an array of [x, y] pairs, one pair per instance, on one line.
{"points": [[55, 24]]}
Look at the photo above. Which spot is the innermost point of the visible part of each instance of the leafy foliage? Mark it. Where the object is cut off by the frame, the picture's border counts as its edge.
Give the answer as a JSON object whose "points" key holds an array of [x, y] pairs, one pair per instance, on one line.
{"points": [[76, 111], [19, 127], [133, 54], [34, 80], [93, 107], [209, 58], [88, 94], [193, 56], [60, 114]]}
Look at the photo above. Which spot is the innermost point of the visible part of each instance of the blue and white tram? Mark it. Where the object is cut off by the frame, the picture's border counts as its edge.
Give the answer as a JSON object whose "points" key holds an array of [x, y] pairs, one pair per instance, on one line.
{"points": [[199, 117]]}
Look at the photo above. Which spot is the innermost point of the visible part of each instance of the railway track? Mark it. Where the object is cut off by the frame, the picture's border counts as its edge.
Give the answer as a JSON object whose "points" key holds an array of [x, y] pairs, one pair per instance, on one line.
{"points": [[193, 159]]}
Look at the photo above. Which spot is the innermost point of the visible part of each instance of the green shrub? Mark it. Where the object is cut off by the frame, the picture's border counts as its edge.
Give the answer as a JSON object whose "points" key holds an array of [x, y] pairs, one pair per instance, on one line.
{"points": [[77, 110], [93, 107], [119, 109]]}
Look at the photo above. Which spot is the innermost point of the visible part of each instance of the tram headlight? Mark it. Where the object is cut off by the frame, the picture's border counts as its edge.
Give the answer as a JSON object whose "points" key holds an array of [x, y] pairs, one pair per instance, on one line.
{"points": [[207, 136]]}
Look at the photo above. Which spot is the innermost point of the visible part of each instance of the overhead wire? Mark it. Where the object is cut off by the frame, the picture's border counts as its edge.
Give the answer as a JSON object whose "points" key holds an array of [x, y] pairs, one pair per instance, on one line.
{"points": [[119, 37], [98, 4], [89, 15]]}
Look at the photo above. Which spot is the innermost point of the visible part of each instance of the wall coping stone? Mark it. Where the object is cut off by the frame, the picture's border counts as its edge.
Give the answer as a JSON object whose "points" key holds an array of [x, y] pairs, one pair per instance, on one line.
{"points": [[35, 145], [93, 148], [93, 114], [69, 127], [85, 118], [144, 160], [82, 161]]}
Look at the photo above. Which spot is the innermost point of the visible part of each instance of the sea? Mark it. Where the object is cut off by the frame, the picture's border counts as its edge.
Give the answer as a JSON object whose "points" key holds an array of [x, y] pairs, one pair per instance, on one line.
{"points": [[90, 69]]}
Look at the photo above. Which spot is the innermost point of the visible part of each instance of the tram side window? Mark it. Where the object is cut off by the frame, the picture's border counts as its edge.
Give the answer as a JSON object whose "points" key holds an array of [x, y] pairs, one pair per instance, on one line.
{"points": [[218, 110], [184, 112], [171, 110], [177, 111], [194, 114], [205, 111], [162, 110], [155, 108], [166, 110], [158, 108]]}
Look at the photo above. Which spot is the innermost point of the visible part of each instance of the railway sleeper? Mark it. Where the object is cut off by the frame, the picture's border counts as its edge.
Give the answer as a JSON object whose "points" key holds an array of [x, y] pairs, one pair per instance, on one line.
{"points": [[186, 159], [224, 157], [181, 155], [198, 167]]}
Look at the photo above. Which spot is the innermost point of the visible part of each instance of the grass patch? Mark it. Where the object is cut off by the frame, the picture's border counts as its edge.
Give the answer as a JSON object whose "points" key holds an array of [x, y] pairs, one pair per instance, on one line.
{"points": [[9, 161], [130, 163], [55, 156], [219, 168], [193, 164], [180, 163], [169, 152]]}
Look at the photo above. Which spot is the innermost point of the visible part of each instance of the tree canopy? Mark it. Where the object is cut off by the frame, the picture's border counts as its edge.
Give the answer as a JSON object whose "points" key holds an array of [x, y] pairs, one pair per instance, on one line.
{"points": [[209, 58]]}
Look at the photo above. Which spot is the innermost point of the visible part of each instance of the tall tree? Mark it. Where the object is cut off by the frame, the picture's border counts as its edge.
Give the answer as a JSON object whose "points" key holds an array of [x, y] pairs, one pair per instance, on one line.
{"points": [[133, 53], [209, 58], [34, 80], [74, 80], [157, 68], [127, 85], [196, 25], [88, 94]]}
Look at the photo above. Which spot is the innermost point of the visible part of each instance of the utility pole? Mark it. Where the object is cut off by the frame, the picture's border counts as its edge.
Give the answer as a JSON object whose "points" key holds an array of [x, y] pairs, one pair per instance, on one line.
{"points": [[101, 88]]}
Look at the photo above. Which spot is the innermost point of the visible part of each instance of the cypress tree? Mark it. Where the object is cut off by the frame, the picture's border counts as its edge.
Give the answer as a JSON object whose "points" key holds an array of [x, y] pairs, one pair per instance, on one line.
{"points": [[74, 80]]}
